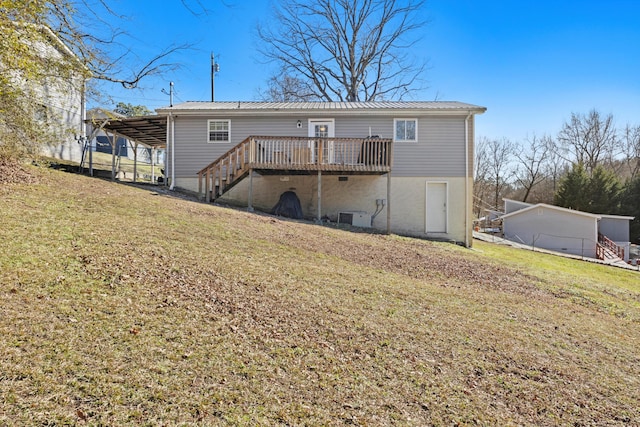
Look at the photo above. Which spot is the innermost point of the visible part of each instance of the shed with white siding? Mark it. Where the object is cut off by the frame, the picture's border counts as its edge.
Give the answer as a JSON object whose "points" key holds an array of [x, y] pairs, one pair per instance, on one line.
{"points": [[566, 230]]}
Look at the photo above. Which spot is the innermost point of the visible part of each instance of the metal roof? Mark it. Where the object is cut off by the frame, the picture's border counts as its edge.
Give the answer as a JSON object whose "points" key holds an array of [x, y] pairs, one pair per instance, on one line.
{"points": [[147, 130], [152, 130], [533, 207], [326, 106]]}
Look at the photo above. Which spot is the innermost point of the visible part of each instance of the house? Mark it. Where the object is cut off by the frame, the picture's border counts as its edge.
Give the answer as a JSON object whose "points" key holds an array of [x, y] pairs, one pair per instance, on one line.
{"points": [[567, 230], [61, 99], [404, 167]]}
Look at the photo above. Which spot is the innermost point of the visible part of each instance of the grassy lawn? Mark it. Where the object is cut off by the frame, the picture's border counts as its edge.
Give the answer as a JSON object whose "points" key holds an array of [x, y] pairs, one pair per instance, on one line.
{"points": [[122, 306]]}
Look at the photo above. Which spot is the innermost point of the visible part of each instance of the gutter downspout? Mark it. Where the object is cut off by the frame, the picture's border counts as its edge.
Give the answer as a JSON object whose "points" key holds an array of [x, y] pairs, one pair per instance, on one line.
{"points": [[173, 152], [466, 179]]}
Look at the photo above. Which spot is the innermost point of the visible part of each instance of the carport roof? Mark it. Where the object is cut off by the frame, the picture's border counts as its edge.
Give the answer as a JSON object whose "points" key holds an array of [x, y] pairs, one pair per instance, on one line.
{"points": [[147, 130]]}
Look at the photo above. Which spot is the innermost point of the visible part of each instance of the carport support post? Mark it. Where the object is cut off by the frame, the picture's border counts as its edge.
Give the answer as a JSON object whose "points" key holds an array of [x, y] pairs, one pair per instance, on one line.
{"points": [[135, 161], [319, 218], [153, 171], [91, 148], [114, 142]]}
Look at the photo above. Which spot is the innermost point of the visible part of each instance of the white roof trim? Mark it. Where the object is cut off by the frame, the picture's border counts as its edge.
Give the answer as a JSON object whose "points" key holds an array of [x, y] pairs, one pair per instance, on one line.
{"points": [[556, 208], [516, 201], [629, 218], [531, 205], [267, 108]]}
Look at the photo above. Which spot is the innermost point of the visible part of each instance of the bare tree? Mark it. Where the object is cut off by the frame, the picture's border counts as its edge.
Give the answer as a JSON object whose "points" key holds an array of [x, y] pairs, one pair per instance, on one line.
{"points": [[555, 167], [55, 46], [86, 28], [286, 88], [588, 139], [531, 160], [497, 155], [345, 50], [630, 140], [481, 178]]}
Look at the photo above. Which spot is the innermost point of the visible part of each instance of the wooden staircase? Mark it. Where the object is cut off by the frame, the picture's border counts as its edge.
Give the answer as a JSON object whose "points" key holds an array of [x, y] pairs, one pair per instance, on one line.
{"points": [[607, 250], [288, 155], [224, 173]]}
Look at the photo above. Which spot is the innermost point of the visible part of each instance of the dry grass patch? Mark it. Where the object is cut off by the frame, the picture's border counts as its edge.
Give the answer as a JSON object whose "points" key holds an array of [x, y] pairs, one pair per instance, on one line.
{"points": [[121, 306]]}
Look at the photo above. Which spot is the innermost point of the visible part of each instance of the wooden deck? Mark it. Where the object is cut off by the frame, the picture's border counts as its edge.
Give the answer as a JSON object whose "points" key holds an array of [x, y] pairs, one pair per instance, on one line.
{"points": [[295, 155]]}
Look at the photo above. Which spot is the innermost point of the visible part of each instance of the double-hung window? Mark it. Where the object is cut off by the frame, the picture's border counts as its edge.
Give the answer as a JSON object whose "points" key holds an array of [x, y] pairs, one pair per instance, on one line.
{"points": [[218, 130], [405, 130]]}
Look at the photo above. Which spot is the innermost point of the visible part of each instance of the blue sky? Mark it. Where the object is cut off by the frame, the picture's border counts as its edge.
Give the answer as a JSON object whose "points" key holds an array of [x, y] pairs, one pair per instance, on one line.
{"points": [[531, 63]]}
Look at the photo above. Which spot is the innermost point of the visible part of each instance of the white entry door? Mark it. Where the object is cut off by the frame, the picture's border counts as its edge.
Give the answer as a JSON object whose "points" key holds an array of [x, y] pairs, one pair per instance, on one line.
{"points": [[436, 221], [322, 128]]}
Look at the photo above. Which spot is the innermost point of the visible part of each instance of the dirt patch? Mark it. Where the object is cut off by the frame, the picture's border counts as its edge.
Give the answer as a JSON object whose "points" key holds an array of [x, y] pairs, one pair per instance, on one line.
{"points": [[12, 172]]}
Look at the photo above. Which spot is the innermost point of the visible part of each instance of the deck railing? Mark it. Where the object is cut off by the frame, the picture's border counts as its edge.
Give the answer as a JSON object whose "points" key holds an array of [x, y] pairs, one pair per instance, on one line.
{"points": [[348, 155]]}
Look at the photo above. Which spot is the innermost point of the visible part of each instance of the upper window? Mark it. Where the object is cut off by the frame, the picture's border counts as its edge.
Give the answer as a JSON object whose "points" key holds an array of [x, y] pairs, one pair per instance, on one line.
{"points": [[218, 130], [405, 130]]}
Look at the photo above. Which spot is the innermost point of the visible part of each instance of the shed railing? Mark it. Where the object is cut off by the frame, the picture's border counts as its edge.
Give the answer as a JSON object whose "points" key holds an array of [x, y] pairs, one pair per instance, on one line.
{"points": [[604, 244]]}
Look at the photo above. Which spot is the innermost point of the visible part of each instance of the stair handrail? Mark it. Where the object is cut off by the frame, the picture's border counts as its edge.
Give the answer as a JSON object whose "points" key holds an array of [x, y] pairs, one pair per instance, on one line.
{"points": [[223, 156], [611, 245]]}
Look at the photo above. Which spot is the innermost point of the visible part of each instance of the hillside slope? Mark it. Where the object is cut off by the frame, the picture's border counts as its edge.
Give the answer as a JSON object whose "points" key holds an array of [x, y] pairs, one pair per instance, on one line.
{"points": [[124, 306]]}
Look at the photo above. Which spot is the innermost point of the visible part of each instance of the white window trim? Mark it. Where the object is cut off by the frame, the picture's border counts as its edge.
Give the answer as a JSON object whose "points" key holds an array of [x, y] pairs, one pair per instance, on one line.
{"points": [[396, 120], [228, 131]]}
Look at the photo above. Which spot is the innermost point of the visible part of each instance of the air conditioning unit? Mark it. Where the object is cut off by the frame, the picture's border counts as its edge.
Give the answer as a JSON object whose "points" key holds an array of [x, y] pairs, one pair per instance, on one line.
{"points": [[355, 218]]}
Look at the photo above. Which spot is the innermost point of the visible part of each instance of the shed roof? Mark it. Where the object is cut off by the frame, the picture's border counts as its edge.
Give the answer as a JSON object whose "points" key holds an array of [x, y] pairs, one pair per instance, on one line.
{"points": [[628, 218], [552, 207], [566, 210]]}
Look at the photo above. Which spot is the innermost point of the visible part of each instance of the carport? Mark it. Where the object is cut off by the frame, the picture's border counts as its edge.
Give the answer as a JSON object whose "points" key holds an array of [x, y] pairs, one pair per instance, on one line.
{"points": [[148, 131]]}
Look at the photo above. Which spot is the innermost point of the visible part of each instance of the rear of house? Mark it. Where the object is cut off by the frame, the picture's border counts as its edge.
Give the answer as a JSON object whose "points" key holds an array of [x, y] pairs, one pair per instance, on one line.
{"points": [[419, 183]]}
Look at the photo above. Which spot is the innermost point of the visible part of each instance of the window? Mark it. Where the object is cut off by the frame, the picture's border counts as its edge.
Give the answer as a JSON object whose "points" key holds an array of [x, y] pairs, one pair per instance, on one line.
{"points": [[405, 130], [219, 130]]}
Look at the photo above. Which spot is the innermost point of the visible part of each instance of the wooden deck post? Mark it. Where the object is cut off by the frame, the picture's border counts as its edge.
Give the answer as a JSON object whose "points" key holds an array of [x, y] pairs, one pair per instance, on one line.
{"points": [[250, 198], [319, 217], [388, 202]]}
